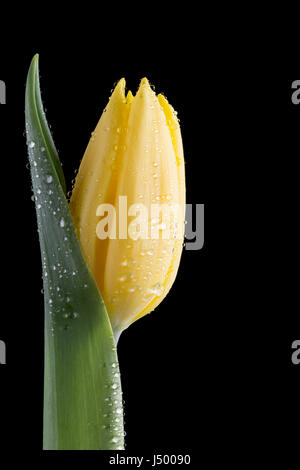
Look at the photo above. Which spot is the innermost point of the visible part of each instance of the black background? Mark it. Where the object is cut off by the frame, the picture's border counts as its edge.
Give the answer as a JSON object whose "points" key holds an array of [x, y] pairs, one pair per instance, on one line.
{"points": [[209, 372]]}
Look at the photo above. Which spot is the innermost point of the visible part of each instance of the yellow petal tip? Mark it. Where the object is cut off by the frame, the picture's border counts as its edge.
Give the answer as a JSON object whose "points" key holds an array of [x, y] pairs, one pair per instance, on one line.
{"points": [[121, 83], [162, 99], [145, 91], [144, 83], [120, 89], [129, 97]]}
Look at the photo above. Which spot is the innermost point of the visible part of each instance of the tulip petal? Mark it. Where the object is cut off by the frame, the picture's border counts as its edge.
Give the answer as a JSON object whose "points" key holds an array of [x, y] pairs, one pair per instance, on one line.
{"points": [[97, 177], [149, 176]]}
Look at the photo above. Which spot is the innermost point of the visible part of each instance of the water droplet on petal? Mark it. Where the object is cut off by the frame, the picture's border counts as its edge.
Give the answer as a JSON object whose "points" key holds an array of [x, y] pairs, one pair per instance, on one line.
{"points": [[157, 289]]}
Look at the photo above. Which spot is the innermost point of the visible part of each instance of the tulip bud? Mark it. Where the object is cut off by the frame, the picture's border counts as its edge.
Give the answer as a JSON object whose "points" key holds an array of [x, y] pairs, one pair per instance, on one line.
{"points": [[133, 167]]}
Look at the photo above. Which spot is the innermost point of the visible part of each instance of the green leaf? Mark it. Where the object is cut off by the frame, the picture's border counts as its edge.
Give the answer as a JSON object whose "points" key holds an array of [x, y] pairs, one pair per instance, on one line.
{"points": [[82, 389]]}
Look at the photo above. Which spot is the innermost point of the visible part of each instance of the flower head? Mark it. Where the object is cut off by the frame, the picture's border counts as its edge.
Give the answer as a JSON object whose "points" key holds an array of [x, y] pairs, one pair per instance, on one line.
{"points": [[128, 202]]}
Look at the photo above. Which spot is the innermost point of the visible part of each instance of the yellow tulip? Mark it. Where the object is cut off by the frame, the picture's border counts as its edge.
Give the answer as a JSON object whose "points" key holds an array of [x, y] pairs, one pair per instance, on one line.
{"points": [[135, 151]]}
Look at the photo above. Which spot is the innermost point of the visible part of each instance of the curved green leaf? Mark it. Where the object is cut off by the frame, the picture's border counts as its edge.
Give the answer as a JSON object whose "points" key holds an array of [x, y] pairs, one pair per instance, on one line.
{"points": [[82, 390]]}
